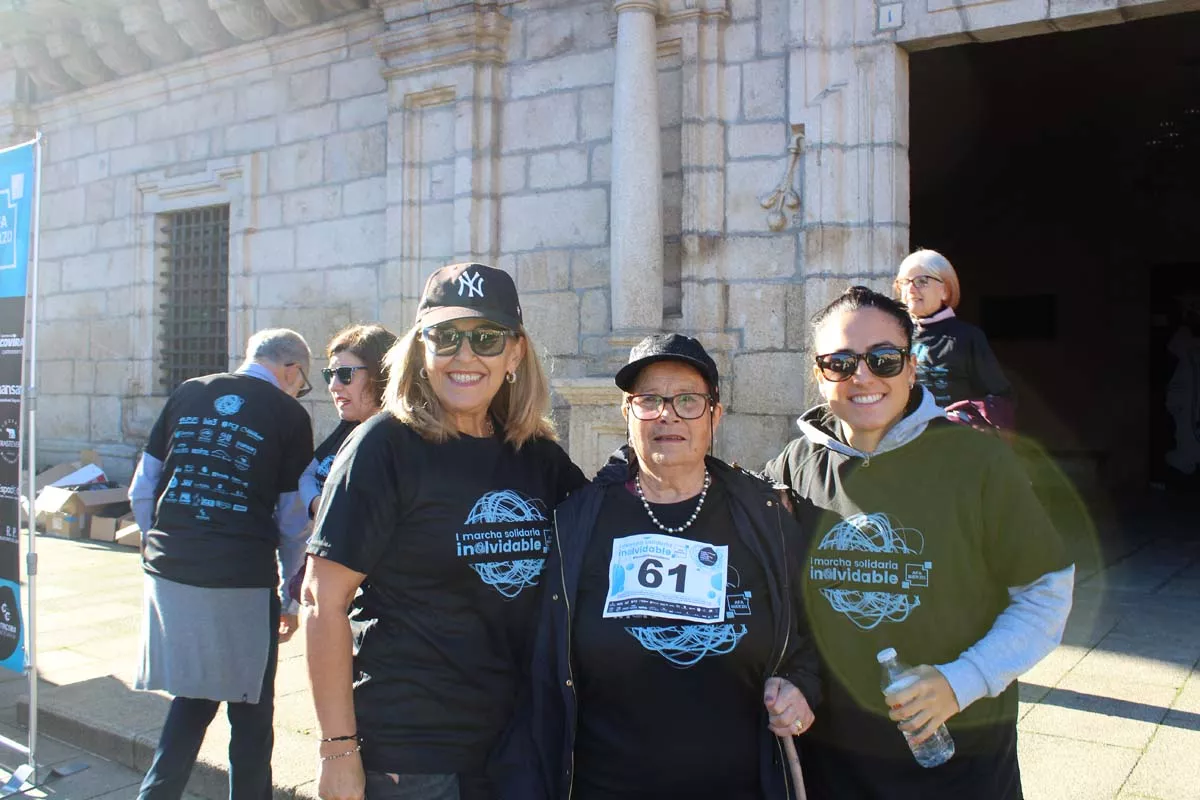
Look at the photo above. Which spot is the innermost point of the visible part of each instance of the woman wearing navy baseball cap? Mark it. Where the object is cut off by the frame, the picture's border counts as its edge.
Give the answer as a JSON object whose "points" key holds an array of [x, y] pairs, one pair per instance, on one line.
{"points": [[439, 510], [670, 655]]}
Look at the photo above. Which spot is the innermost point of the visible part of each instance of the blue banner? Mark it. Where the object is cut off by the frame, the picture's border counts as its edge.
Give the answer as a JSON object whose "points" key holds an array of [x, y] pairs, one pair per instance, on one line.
{"points": [[16, 214], [16, 218]]}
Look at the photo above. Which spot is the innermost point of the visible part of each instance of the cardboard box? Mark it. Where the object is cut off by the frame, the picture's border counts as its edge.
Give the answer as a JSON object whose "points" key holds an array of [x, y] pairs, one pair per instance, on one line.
{"points": [[130, 536], [67, 511], [64, 474], [104, 528]]}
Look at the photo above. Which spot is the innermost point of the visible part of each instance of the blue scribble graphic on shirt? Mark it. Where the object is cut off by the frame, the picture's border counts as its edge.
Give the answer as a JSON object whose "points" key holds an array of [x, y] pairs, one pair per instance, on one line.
{"points": [[228, 404], [686, 645], [322, 473], [872, 533], [509, 578]]}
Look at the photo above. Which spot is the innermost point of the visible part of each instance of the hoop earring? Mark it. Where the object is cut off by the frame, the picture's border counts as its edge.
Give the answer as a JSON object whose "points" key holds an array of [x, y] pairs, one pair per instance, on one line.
{"points": [[511, 377], [424, 373]]}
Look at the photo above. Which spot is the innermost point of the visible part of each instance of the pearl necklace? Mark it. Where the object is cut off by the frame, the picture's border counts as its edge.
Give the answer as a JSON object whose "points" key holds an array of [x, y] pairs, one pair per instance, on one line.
{"points": [[637, 481]]}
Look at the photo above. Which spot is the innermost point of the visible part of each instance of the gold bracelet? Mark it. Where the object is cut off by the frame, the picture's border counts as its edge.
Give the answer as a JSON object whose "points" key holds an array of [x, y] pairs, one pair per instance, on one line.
{"points": [[342, 755]]}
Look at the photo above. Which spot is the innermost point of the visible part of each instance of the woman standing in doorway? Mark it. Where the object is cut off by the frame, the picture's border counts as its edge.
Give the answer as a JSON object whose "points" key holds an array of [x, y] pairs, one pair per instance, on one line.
{"points": [[953, 358]]}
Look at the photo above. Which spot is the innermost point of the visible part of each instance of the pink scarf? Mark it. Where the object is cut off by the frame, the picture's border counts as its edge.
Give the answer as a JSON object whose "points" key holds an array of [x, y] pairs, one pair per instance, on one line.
{"points": [[944, 314]]}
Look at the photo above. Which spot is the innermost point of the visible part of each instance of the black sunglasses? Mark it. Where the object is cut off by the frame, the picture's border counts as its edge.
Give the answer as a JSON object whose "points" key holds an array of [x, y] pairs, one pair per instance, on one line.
{"points": [[345, 375], [688, 405], [445, 340], [307, 387], [884, 362]]}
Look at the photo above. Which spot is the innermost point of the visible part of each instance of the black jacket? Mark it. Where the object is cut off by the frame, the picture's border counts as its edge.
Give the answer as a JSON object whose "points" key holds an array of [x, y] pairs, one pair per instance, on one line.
{"points": [[764, 527]]}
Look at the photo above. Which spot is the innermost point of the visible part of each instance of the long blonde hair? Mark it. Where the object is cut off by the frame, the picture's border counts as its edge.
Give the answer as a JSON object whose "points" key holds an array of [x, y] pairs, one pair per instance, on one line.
{"points": [[520, 408]]}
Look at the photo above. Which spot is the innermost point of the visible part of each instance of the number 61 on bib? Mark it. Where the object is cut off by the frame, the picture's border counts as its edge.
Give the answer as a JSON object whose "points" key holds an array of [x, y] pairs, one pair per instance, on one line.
{"points": [[654, 575]]}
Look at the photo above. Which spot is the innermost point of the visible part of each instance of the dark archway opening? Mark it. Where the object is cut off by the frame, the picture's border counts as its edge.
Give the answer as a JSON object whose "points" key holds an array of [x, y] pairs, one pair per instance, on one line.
{"points": [[1060, 174]]}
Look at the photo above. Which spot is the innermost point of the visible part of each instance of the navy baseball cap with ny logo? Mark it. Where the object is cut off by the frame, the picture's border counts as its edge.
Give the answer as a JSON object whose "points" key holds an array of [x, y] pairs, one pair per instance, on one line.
{"points": [[469, 291]]}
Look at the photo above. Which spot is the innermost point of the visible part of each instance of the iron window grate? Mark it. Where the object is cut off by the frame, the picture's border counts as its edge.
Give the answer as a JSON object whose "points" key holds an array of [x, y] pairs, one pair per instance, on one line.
{"points": [[194, 338]]}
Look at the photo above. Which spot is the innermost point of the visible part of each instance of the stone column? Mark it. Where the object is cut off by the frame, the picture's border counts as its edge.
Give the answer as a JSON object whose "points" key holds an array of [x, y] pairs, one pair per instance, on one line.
{"points": [[635, 232]]}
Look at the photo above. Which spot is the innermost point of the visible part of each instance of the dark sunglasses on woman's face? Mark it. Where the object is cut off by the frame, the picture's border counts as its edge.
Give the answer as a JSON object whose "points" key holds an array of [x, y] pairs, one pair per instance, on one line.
{"points": [[345, 375], [445, 340], [884, 362]]}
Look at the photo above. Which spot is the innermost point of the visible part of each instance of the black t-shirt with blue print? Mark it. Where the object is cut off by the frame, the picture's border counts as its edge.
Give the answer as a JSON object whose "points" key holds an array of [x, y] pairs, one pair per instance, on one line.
{"points": [[327, 450], [452, 538], [668, 708], [230, 445]]}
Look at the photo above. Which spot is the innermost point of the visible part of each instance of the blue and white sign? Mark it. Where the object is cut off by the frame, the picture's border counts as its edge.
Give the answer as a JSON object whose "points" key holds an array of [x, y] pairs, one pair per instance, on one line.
{"points": [[16, 214], [17, 188]]}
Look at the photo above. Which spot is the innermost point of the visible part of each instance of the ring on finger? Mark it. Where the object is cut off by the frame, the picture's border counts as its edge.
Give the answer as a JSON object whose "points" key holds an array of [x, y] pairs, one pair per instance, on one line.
{"points": [[798, 726]]}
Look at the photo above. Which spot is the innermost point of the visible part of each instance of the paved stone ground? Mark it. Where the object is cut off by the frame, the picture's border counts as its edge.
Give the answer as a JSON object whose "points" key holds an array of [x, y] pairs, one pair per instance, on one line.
{"points": [[1113, 714]]}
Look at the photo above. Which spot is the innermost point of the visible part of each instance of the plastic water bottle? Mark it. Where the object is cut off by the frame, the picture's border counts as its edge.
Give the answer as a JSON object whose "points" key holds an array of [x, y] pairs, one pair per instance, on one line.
{"points": [[937, 749]]}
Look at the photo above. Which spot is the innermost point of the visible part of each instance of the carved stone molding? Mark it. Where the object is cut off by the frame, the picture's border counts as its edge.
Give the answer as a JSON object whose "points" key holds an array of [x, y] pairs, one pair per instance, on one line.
{"points": [[31, 55], [294, 13], [113, 45], [246, 19], [675, 10], [196, 23], [143, 20], [469, 38], [78, 59], [342, 6]]}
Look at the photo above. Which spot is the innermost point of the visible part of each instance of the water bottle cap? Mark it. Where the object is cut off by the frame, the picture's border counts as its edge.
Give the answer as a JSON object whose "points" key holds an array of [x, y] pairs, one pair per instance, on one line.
{"points": [[887, 654]]}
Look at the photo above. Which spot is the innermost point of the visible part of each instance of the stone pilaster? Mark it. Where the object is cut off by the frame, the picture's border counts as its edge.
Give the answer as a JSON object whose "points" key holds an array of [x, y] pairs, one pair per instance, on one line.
{"points": [[636, 227], [700, 27], [443, 74], [848, 86]]}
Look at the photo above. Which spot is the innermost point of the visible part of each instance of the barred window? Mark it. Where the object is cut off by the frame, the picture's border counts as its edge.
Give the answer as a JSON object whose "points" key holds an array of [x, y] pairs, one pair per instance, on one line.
{"points": [[194, 337]]}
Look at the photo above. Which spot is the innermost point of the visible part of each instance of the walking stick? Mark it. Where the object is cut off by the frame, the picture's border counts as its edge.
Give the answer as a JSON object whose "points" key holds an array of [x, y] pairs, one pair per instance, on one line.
{"points": [[789, 749]]}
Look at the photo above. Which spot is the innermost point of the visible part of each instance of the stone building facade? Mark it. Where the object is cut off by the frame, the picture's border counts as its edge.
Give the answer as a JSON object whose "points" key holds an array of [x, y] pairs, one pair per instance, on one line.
{"points": [[716, 167]]}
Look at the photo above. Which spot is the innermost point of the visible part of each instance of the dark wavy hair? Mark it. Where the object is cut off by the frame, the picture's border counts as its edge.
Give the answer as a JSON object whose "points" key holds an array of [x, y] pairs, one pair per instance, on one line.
{"points": [[370, 343], [857, 297]]}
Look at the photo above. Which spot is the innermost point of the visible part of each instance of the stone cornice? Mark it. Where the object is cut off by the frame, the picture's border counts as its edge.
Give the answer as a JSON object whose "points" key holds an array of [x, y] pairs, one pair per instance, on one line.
{"points": [[678, 10], [467, 38], [112, 98], [65, 46]]}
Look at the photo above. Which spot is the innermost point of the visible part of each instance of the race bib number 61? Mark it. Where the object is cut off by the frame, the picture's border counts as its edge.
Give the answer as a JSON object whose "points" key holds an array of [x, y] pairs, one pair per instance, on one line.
{"points": [[654, 575]]}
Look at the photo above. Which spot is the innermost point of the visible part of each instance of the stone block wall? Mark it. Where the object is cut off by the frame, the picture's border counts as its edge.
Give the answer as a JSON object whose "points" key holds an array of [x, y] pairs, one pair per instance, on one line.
{"points": [[291, 132], [359, 154]]}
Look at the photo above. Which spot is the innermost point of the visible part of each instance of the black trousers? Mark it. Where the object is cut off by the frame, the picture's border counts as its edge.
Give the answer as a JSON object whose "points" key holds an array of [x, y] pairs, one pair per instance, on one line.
{"points": [[252, 738]]}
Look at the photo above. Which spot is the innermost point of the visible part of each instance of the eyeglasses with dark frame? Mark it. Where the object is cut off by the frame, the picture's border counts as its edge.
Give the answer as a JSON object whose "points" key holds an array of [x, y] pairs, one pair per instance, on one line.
{"points": [[345, 375], [686, 405], [446, 340], [919, 282], [307, 387], [884, 362]]}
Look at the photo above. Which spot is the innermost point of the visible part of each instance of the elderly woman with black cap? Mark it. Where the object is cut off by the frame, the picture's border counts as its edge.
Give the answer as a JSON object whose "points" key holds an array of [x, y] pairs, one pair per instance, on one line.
{"points": [[439, 510], [669, 653]]}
